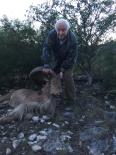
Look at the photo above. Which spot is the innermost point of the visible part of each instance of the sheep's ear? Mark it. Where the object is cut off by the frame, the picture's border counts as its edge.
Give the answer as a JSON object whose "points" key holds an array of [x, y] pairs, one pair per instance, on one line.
{"points": [[38, 77]]}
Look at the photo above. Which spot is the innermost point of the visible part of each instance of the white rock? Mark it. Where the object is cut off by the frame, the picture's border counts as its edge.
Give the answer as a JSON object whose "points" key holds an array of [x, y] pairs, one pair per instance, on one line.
{"points": [[83, 116], [56, 125], [36, 148], [42, 120], [2, 127], [70, 149], [45, 117], [4, 140], [49, 123], [41, 137], [15, 143], [21, 135], [31, 143], [9, 110], [35, 118], [107, 102], [112, 107], [70, 133], [43, 132], [66, 122], [59, 148], [8, 151], [5, 102], [106, 97], [32, 137], [65, 137]]}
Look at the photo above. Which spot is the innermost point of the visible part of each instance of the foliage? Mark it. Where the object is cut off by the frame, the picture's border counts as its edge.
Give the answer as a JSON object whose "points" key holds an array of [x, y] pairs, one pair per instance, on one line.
{"points": [[19, 50], [105, 64], [90, 20]]}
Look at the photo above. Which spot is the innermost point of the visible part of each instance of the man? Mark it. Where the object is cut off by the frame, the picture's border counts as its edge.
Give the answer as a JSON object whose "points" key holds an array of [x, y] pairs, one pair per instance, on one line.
{"points": [[59, 55]]}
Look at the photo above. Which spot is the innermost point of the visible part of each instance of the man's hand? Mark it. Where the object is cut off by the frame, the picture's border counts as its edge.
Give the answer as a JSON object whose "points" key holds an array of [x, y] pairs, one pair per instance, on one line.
{"points": [[48, 70]]}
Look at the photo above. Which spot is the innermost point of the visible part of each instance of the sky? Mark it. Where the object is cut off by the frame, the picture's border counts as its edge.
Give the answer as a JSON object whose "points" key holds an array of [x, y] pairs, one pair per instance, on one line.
{"points": [[16, 9]]}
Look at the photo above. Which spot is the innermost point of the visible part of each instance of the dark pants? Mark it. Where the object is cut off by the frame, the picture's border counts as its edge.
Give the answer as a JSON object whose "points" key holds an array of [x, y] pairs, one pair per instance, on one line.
{"points": [[69, 92]]}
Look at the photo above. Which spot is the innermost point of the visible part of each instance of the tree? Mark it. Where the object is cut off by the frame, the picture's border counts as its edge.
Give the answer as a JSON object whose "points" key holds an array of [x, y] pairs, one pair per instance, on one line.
{"points": [[90, 20], [19, 49], [105, 64]]}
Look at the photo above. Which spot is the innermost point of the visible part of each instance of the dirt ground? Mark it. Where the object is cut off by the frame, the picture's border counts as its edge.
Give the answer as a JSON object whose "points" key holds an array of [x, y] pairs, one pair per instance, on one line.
{"points": [[87, 128]]}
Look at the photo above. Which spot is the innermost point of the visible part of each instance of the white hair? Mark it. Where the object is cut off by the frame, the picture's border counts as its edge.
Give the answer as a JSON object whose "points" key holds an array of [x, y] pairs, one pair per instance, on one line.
{"points": [[62, 21]]}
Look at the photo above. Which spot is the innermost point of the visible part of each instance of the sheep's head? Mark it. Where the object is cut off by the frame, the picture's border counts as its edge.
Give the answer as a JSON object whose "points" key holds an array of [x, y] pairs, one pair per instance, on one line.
{"points": [[51, 82]]}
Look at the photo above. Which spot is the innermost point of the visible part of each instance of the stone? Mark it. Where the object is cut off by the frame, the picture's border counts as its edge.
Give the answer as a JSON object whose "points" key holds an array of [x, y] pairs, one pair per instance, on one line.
{"points": [[110, 117], [39, 138], [42, 120], [56, 125], [45, 117], [36, 148], [65, 137], [92, 132], [31, 143], [35, 118], [8, 151], [32, 137], [43, 132], [49, 123], [15, 143], [21, 135]]}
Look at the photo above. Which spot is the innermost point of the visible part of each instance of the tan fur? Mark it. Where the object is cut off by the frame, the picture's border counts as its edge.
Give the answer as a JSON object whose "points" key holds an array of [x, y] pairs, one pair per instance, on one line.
{"points": [[25, 101]]}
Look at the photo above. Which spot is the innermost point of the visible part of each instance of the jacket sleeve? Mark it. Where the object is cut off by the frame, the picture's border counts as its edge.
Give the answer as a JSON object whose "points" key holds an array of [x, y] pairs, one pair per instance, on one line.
{"points": [[70, 58], [47, 54]]}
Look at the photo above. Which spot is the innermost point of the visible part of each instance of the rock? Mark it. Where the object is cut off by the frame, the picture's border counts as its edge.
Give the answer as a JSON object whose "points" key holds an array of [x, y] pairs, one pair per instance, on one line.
{"points": [[65, 137], [106, 97], [70, 149], [21, 135], [45, 117], [49, 123], [31, 143], [107, 102], [68, 109], [36, 148], [69, 132], [56, 125], [98, 147], [113, 145], [112, 107], [15, 143], [110, 117], [43, 132], [66, 122], [92, 132], [35, 118], [8, 151], [39, 138], [55, 143], [42, 120], [32, 137], [68, 115], [5, 102], [4, 139]]}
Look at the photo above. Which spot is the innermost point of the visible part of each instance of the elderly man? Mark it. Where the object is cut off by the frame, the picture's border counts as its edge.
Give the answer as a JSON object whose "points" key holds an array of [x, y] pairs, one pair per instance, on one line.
{"points": [[59, 55]]}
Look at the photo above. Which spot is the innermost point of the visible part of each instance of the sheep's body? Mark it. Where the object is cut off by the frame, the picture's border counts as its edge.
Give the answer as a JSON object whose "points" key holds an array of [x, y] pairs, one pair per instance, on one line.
{"points": [[27, 101]]}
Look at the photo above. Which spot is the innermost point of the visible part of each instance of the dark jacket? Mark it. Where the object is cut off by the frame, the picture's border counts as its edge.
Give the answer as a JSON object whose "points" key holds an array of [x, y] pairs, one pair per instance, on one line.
{"points": [[59, 56]]}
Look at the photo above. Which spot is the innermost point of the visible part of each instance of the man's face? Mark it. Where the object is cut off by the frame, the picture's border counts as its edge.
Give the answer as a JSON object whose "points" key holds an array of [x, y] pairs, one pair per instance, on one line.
{"points": [[62, 31]]}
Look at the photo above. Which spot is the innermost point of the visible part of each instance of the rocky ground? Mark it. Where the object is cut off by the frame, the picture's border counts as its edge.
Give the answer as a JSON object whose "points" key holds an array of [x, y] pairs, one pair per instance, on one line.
{"points": [[91, 131]]}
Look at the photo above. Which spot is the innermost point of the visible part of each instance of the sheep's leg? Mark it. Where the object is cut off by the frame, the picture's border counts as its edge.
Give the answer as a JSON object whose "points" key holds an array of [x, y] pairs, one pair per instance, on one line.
{"points": [[17, 113], [6, 119]]}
